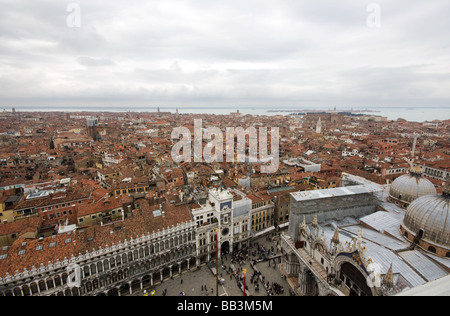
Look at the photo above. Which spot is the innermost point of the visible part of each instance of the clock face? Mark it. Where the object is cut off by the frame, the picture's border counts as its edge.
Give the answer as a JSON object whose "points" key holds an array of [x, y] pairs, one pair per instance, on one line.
{"points": [[225, 206], [225, 231]]}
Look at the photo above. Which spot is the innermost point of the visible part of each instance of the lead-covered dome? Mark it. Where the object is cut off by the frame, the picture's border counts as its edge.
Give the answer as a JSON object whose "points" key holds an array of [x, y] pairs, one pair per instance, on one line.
{"points": [[427, 221], [409, 187]]}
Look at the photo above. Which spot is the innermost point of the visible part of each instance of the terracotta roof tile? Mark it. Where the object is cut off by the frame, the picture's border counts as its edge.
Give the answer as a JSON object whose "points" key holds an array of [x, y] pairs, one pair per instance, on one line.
{"points": [[36, 252]]}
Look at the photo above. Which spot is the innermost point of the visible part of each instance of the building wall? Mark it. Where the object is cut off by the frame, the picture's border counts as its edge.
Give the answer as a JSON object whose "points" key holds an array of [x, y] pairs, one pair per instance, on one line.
{"points": [[124, 267], [7, 240], [6, 215], [132, 190], [433, 248], [97, 218], [335, 208], [435, 173], [263, 217], [282, 210]]}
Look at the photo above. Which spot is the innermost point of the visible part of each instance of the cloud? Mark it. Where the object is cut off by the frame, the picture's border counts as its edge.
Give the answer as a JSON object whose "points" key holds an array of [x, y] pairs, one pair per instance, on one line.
{"points": [[257, 52], [93, 62]]}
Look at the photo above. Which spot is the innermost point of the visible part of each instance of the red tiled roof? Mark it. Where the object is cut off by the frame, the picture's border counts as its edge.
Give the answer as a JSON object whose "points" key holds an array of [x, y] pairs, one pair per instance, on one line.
{"points": [[102, 205], [20, 227], [65, 245]]}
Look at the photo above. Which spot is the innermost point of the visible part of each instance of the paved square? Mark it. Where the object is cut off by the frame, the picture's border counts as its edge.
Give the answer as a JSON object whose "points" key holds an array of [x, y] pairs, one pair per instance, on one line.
{"points": [[194, 282]]}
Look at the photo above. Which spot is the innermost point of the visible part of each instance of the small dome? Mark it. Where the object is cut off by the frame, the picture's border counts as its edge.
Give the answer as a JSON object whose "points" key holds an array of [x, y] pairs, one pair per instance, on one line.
{"points": [[409, 187], [430, 216]]}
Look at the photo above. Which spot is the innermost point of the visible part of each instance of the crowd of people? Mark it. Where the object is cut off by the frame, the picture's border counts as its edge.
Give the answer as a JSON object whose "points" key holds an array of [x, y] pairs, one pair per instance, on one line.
{"points": [[234, 265], [256, 252]]}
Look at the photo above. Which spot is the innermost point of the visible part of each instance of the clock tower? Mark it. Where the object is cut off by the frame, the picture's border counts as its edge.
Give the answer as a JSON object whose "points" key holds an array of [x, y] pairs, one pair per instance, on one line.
{"points": [[223, 206]]}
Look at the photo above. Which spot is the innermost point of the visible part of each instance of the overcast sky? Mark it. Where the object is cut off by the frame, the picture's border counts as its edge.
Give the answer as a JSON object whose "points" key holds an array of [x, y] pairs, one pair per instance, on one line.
{"points": [[219, 53]]}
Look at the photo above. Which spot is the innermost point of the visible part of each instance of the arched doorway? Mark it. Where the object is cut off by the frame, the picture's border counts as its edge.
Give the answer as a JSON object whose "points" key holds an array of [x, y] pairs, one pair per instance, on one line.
{"points": [[203, 259], [166, 273], [192, 262], [113, 292], [124, 289], [310, 286], [225, 248], [135, 285], [146, 281], [354, 280]]}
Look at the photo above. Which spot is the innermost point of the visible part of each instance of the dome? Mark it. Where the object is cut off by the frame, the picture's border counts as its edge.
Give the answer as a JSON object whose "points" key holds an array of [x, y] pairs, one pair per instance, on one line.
{"points": [[409, 187], [429, 216]]}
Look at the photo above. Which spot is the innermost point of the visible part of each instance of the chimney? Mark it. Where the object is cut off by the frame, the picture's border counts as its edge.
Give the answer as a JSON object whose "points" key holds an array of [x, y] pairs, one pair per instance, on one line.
{"points": [[162, 211]]}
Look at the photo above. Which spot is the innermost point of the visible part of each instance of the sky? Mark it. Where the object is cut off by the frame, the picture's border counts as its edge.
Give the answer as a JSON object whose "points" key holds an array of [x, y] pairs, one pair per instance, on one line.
{"points": [[181, 53]]}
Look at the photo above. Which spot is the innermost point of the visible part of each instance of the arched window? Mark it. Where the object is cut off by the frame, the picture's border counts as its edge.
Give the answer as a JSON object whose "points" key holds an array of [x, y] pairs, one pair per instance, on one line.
{"points": [[447, 255], [17, 292], [421, 232], [8, 293], [42, 286], [432, 249], [65, 276], [99, 267], [93, 269], [58, 281], [26, 290], [106, 265]]}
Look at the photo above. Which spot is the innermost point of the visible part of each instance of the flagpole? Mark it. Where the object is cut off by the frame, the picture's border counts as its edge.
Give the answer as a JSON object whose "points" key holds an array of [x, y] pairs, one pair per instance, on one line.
{"points": [[217, 262]]}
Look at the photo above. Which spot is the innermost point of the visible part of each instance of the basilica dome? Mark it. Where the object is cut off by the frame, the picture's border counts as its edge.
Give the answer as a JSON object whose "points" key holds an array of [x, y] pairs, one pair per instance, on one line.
{"points": [[409, 187], [427, 222]]}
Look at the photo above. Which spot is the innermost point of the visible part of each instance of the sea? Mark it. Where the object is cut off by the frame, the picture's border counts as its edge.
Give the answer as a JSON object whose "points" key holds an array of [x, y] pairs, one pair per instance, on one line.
{"points": [[412, 114]]}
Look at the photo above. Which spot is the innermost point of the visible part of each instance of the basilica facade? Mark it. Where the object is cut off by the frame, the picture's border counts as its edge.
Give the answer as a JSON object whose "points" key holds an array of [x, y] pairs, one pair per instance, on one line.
{"points": [[382, 253]]}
